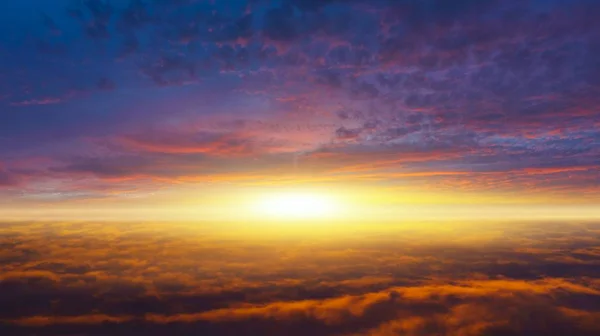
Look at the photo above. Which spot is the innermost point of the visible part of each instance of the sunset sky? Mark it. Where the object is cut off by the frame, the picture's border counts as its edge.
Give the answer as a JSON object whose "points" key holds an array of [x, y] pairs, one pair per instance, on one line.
{"points": [[202, 108], [299, 167]]}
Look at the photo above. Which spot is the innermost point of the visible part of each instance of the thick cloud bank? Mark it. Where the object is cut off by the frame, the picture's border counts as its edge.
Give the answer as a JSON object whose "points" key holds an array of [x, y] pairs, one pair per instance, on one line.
{"points": [[437, 279]]}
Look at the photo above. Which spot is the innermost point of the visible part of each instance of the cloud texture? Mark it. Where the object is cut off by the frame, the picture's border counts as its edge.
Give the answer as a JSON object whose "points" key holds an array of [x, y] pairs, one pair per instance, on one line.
{"points": [[481, 96], [424, 279]]}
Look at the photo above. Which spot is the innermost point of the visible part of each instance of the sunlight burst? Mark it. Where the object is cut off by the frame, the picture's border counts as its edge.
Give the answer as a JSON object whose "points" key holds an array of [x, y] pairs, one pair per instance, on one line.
{"points": [[297, 206]]}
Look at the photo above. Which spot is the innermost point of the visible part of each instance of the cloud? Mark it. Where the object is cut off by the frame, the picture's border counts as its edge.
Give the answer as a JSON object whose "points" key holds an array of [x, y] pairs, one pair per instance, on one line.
{"points": [[43, 101], [213, 143], [347, 134], [140, 278], [7, 178], [500, 87]]}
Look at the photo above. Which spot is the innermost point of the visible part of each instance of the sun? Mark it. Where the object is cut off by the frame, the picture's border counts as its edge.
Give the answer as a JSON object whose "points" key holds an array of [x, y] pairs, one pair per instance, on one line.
{"points": [[297, 205]]}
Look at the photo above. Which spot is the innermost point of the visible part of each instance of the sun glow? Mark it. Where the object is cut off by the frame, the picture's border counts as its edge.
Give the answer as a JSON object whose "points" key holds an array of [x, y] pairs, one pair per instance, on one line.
{"points": [[297, 206]]}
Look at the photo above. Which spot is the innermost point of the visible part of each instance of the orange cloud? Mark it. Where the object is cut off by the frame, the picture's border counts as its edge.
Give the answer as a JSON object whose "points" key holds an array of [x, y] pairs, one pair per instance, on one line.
{"points": [[41, 321], [91, 276]]}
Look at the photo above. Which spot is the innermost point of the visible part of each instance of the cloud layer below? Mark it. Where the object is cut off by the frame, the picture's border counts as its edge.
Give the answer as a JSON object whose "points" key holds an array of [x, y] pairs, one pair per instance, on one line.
{"points": [[410, 279]]}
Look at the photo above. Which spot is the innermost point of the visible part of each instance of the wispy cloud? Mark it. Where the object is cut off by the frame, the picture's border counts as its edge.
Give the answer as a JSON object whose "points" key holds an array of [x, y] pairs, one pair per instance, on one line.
{"points": [[400, 90]]}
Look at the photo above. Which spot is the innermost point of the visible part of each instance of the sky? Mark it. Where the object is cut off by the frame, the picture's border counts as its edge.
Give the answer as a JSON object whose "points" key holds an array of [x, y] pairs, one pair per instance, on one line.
{"points": [[201, 106], [294, 167]]}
